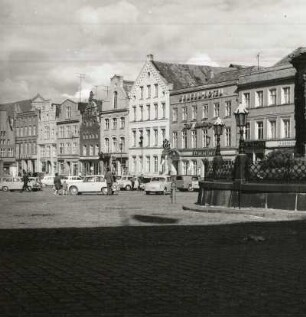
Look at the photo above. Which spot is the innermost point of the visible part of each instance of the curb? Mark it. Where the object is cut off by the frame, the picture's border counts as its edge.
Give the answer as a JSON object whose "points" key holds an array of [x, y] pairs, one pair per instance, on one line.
{"points": [[243, 211]]}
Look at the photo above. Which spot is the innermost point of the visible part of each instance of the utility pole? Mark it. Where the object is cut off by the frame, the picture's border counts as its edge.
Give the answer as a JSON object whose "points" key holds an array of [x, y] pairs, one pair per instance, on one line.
{"points": [[258, 55], [81, 76]]}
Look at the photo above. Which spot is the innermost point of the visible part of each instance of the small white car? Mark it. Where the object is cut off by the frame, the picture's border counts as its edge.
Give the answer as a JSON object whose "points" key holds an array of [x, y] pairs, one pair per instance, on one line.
{"points": [[158, 185], [91, 184], [48, 180], [8, 183], [124, 182]]}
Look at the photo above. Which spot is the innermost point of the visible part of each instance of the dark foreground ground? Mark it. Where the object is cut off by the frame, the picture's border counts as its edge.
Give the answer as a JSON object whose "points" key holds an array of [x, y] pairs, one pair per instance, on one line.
{"points": [[244, 269]]}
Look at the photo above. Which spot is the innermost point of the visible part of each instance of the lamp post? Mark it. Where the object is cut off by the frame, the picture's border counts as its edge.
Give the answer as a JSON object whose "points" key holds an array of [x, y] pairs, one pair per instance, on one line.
{"points": [[218, 130], [121, 148], [241, 114], [141, 146], [241, 161]]}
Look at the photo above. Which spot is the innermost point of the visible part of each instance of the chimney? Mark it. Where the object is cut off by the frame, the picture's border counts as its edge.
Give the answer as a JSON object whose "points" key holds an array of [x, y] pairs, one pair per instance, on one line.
{"points": [[150, 57]]}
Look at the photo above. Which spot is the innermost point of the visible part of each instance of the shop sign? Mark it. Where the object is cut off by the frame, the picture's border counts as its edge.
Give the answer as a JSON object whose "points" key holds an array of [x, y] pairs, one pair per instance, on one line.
{"points": [[196, 125], [281, 143], [255, 145], [206, 152]]}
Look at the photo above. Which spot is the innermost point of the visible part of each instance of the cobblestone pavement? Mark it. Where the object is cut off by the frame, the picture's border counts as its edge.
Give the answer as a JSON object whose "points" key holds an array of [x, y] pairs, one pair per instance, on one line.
{"points": [[237, 269]]}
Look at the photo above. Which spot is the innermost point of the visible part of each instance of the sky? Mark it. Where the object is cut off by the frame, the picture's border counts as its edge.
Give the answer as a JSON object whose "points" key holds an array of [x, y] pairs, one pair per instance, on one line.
{"points": [[46, 45]]}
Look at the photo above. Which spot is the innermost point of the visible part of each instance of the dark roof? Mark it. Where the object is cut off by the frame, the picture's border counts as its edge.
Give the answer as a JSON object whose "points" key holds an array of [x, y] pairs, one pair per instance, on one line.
{"points": [[19, 106], [184, 75], [287, 59]]}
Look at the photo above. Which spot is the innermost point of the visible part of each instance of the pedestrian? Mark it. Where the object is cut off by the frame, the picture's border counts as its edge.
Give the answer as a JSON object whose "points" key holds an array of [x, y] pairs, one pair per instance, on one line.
{"points": [[65, 188], [57, 184], [136, 184], [133, 182], [25, 180], [109, 181]]}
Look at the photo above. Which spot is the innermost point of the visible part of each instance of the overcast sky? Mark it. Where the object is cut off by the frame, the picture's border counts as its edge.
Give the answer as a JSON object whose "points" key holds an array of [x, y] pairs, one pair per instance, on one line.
{"points": [[45, 44]]}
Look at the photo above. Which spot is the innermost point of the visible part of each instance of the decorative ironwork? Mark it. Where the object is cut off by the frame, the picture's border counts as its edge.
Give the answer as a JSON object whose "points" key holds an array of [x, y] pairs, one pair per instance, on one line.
{"points": [[222, 171]]}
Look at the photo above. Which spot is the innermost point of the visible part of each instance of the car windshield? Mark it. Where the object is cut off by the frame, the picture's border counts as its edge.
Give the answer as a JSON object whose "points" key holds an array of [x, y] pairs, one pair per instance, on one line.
{"points": [[146, 180], [158, 179]]}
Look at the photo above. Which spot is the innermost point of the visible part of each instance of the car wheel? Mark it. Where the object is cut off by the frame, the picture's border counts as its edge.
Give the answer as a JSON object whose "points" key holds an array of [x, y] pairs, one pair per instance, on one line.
{"points": [[190, 189], [148, 193], [73, 190], [104, 190], [128, 187], [5, 188]]}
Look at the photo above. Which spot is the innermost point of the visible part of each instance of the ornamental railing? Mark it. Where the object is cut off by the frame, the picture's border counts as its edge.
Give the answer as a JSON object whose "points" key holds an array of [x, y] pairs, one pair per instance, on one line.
{"points": [[219, 170]]}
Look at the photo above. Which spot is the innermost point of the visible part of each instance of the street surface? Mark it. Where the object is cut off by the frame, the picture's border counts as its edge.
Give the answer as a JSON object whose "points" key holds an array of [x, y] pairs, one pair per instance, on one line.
{"points": [[139, 255]]}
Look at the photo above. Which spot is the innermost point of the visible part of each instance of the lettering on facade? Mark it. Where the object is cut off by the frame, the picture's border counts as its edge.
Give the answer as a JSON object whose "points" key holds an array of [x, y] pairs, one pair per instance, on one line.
{"points": [[207, 152], [255, 145], [196, 125]]}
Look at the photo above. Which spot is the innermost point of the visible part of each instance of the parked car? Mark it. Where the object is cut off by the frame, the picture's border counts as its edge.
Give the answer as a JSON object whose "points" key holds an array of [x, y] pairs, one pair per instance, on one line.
{"points": [[48, 180], [144, 180], [92, 184], [124, 182], [187, 182], [8, 183], [158, 185], [35, 183], [72, 179]]}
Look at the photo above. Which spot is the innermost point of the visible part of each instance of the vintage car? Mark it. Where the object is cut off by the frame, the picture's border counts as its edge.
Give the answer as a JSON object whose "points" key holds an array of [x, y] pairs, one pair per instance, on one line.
{"points": [[143, 180], [8, 183], [34, 183], [158, 185], [91, 184], [124, 182], [187, 182], [48, 180]]}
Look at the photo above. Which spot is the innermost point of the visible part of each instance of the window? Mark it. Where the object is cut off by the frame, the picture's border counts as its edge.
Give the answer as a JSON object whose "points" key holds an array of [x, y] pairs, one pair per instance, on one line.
{"points": [[228, 108], [155, 137], [30, 130], [148, 91], [174, 114], [148, 164], [25, 131], [205, 112], [194, 113], [174, 139], [114, 123], [68, 112], [272, 97], [286, 128], [148, 112], [155, 164], [184, 139], [134, 164], [216, 109], [259, 130], [259, 98], [122, 123], [148, 137], [163, 132], [155, 90], [184, 114], [194, 168], [164, 110], [115, 145], [115, 99], [68, 148], [134, 113], [247, 99], [155, 111], [61, 148], [193, 138], [184, 167], [74, 148], [134, 138], [122, 142], [247, 131], [141, 113], [34, 130], [106, 124], [271, 129], [141, 92], [227, 136], [286, 95], [106, 145], [205, 138]]}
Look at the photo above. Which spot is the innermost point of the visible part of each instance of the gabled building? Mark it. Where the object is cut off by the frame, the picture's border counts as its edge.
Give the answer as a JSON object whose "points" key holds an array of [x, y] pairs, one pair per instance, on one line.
{"points": [[68, 137], [46, 139], [115, 125], [149, 110], [90, 136]]}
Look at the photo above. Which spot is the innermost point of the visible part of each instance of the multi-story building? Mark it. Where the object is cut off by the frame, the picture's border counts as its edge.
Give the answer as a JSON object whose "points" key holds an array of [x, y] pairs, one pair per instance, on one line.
{"points": [[90, 136], [46, 139], [268, 94], [149, 110], [193, 113], [26, 132], [114, 124], [68, 140], [7, 141]]}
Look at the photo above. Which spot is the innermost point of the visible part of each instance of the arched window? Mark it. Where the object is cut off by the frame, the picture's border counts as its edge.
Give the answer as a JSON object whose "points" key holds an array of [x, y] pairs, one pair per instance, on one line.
{"points": [[115, 99], [106, 145]]}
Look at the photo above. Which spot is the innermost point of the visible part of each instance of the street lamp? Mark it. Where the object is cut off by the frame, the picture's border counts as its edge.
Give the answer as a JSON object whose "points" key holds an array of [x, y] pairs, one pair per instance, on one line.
{"points": [[121, 148], [218, 126], [141, 146], [241, 114]]}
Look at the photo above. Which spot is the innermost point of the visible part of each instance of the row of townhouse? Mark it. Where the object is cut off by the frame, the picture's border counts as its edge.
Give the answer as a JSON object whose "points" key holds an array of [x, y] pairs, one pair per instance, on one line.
{"points": [[174, 102]]}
